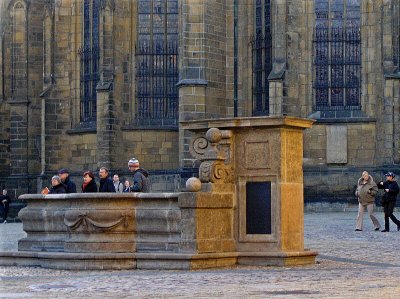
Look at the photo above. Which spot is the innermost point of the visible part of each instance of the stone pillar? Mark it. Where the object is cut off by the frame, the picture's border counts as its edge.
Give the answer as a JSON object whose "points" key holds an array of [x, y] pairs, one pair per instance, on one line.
{"points": [[192, 95], [106, 64], [1, 66], [105, 125], [388, 19], [202, 85], [192, 85], [396, 119], [390, 135], [276, 78], [275, 93]]}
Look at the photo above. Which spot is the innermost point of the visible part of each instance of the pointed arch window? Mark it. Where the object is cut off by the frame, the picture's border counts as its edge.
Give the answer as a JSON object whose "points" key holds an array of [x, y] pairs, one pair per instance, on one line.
{"points": [[89, 61], [156, 99], [261, 57], [337, 55]]}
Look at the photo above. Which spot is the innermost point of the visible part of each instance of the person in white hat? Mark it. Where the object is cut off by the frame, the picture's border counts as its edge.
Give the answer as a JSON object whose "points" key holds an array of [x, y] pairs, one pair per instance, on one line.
{"points": [[141, 182]]}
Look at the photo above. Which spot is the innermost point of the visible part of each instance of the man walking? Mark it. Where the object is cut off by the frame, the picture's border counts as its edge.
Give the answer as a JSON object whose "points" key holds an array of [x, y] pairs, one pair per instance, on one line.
{"points": [[141, 182], [388, 200]]}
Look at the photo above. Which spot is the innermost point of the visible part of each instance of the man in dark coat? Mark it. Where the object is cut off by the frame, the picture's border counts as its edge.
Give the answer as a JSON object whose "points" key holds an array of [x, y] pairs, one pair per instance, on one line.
{"points": [[391, 189], [70, 186], [5, 204], [106, 184], [141, 182]]}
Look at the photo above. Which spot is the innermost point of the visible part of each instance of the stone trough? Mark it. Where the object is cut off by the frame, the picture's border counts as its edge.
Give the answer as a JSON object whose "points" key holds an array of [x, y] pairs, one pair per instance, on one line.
{"points": [[125, 231]]}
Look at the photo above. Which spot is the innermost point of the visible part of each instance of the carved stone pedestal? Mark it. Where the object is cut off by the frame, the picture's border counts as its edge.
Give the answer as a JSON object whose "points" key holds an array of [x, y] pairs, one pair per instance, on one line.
{"points": [[262, 157]]}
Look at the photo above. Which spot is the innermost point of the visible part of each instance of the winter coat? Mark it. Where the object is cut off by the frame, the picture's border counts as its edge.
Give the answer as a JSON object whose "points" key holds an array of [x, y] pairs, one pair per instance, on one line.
{"points": [[106, 185], [393, 191], [58, 189], [366, 191], [141, 182], [70, 186], [90, 188]]}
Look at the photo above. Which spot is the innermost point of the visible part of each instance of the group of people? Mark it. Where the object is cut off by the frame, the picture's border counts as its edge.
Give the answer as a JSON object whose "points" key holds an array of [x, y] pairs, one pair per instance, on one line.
{"points": [[61, 183], [366, 192]]}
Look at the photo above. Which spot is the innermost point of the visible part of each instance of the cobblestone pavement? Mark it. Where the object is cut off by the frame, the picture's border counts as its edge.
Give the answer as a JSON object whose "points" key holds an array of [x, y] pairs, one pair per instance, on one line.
{"points": [[350, 265]]}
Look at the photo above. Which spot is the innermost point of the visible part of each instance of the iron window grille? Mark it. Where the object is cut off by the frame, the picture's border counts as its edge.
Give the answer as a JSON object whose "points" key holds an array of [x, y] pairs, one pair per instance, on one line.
{"points": [[156, 99], [261, 44], [337, 55], [89, 62]]}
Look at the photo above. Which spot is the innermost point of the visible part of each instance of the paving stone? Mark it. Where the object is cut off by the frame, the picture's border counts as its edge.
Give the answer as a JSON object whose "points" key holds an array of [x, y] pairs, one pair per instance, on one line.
{"points": [[350, 265]]}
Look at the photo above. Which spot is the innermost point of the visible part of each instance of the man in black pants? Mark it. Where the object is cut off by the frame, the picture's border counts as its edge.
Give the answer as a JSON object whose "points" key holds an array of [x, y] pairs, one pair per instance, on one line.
{"points": [[5, 204], [391, 189]]}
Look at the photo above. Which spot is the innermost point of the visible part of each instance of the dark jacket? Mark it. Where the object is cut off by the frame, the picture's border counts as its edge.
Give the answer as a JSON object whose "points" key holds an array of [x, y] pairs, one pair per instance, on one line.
{"points": [[127, 189], [7, 202], [141, 182], [58, 189], [70, 186], [106, 185], [90, 188], [393, 191]]}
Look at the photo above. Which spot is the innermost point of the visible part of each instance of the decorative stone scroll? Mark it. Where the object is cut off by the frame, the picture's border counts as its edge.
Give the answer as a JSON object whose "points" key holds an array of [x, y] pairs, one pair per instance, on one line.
{"points": [[214, 151]]}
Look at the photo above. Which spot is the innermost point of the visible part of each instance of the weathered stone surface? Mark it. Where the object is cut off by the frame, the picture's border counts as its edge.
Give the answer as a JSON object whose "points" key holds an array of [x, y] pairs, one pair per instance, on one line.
{"points": [[336, 144]]}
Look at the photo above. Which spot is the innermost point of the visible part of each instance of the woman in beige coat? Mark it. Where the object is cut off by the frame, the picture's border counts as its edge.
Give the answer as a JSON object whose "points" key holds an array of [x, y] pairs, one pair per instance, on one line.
{"points": [[366, 191]]}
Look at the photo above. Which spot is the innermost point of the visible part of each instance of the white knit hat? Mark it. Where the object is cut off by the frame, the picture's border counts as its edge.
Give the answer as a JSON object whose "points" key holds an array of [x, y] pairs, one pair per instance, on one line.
{"points": [[133, 162]]}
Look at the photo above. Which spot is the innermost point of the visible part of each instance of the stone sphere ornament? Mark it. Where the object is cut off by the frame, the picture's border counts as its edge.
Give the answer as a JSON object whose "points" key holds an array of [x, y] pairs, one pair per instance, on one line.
{"points": [[214, 135], [193, 184]]}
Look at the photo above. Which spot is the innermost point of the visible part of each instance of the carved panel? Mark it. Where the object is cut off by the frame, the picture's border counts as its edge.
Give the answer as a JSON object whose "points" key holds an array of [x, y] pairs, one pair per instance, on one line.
{"points": [[95, 221], [257, 155]]}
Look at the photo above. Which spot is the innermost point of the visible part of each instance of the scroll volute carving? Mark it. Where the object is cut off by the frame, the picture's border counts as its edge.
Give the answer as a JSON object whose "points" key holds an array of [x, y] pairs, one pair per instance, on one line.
{"points": [[214, 152]]}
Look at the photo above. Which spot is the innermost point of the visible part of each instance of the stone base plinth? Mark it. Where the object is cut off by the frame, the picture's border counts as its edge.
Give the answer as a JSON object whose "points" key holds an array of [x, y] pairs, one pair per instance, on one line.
{"points": [[117, 261], [153, 261], [282, 259], [69, 261]]}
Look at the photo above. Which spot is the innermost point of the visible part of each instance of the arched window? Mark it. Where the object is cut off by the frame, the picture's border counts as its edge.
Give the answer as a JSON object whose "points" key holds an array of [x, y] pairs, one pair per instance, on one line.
{"points": [[89, 61], [261, 57], [157, 63], [337, 55]]}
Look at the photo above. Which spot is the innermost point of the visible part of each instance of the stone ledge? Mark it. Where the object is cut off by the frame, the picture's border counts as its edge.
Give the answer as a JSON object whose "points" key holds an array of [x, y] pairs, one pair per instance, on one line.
{"points": [[155, 260], [294, 258], [192, 82]]}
